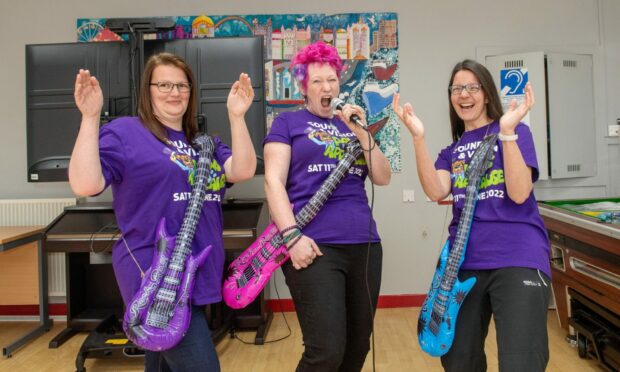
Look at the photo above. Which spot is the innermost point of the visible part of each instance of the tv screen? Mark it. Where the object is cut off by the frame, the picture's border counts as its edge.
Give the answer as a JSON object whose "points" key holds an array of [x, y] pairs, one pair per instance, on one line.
{"points": [[217, 63], [52, 118]]}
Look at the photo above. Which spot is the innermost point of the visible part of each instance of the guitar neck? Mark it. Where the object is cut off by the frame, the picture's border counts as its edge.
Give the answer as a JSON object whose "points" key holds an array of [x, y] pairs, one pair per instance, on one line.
{"points": [[192, 214], [314, 205], [477, 167]]}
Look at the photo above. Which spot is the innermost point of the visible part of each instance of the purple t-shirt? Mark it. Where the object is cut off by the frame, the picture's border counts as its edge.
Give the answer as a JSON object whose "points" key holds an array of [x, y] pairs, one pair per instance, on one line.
{"points": [[317, 145], [503, 233], [151, 180]]}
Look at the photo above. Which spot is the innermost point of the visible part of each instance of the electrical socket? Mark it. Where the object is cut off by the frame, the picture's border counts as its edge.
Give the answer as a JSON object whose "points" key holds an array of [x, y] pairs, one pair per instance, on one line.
{"points": [[613, 130], [408, 196]]}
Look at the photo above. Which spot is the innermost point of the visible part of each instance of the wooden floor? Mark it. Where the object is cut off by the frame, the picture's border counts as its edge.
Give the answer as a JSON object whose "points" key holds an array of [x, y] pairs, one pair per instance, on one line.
{"points": [[396, 349]]}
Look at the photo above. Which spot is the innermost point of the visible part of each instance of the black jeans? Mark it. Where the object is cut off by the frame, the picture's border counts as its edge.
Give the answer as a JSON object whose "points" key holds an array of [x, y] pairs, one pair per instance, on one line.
{"points": [[518, 299], [195, 352], [335, 299]]}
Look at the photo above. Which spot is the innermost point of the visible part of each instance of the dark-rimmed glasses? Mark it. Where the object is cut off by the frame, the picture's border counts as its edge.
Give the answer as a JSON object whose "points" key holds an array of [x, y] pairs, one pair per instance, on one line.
{"points": [[470, 88], [166, 86]]}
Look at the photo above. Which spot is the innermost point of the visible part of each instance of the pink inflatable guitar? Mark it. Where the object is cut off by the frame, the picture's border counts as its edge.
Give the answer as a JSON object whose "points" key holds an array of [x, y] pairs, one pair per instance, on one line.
{"points": [[249, 273]]}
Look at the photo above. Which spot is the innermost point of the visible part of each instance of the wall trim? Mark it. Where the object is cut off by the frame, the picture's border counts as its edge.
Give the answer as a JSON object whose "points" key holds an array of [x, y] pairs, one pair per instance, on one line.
{"points": [[285, 304], [385, 302], [30, 310]]}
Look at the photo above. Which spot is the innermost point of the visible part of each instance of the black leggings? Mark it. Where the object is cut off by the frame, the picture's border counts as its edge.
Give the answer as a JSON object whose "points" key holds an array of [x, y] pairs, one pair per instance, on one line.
{"points": [[518, 299], [332, 301]]}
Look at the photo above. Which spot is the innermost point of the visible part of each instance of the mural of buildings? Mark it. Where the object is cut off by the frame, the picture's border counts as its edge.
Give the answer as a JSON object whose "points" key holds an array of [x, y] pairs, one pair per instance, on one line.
{"points": [[202, 26], [285, 42], [181, 33], [368, 42], [264, 30], [303, 37], [289, 45], [326, 36], [276, 45], [359, 35], [342, 43], [385, 36]]}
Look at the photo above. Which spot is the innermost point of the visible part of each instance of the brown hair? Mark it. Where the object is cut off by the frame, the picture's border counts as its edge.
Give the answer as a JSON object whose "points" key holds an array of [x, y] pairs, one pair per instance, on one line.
{"points": [[145, 108], [494, 107]]}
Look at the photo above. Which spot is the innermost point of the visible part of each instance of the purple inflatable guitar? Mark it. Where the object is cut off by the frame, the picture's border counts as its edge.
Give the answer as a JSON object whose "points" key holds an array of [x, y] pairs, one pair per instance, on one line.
{"points": [[249, 273], [158, 315]]}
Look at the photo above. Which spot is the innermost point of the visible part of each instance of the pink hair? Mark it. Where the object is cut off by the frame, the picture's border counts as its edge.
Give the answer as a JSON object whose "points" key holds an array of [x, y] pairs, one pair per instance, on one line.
{"points": [[317, 52]]}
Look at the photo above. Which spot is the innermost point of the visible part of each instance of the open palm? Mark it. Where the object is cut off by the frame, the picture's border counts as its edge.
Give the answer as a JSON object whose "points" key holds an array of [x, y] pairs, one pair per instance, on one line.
{"points": [[407, 116], [241, 96], [88, 94], [515, 114]]}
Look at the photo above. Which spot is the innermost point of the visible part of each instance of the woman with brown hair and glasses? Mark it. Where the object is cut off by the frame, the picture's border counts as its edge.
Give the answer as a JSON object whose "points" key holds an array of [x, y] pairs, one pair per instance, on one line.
{"points": [[507, 250], [150, 163]]}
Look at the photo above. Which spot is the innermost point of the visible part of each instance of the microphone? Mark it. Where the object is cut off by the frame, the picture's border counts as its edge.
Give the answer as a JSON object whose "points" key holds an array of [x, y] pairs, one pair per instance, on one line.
{"points": [[338, 105]]}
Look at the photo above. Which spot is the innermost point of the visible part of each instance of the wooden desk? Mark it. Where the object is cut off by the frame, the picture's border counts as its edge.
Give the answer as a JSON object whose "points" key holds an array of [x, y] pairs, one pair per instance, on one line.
{"points": [[13, 237], [585, 256], [585, 264]]}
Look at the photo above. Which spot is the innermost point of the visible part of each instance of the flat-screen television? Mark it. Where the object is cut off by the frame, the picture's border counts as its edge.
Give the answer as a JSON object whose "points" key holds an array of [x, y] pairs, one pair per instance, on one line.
{"points": [[53, 119]]}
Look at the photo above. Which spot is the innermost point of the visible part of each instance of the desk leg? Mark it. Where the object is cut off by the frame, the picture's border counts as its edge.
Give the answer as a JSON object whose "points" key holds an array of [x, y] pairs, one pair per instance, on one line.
{"points": [[261, 332], [45, 323]]}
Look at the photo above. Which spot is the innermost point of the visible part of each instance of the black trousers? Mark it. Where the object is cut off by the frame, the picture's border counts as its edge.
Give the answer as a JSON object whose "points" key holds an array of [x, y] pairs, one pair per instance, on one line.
{"points": [[335, 300], [518, 299]]}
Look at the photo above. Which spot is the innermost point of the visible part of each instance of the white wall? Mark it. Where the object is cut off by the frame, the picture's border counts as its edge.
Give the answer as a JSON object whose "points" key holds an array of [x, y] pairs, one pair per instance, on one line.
{"points": [[433, 36]]}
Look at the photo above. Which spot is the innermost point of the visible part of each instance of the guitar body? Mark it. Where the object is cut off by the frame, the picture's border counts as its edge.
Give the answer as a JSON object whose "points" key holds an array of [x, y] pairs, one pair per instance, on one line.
{"points": [[437, 343], [135, 321], [249, 273]]}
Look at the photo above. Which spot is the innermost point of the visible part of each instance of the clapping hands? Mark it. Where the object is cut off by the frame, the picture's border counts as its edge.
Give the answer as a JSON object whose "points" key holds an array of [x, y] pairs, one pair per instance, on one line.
{"points": [[515, 114], [408, 117]]}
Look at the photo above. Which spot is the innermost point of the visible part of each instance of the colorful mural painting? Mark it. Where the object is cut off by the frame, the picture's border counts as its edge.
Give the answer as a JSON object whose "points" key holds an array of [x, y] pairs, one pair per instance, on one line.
{"points": [[367, 42]]}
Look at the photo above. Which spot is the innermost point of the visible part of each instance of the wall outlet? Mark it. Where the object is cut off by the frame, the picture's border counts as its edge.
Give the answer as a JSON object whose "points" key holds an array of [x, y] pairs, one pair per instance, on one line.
{"points": [[408, 196], [613, 130]]}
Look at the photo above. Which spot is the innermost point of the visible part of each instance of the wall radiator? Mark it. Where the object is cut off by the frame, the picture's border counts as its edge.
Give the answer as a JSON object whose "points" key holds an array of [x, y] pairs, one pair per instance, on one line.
{"points": [[29, 212]]}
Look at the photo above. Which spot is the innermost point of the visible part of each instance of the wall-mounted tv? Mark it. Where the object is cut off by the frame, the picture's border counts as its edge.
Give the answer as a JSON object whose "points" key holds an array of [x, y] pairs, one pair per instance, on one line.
{"points": [[53, 119]]}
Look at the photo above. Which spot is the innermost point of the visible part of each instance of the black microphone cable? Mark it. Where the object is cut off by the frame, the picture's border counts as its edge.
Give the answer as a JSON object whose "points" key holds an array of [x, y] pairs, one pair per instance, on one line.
{"points": [[288, 327], [337, 104], [370, 219]]}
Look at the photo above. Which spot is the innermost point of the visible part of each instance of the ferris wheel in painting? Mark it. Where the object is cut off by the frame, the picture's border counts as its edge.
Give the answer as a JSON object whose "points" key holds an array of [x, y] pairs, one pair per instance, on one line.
{"points": [[88, 31]]}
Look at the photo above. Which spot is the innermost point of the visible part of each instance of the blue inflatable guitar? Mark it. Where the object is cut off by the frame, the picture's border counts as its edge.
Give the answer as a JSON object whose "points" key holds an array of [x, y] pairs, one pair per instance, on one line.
{"points": [[437, 320]]}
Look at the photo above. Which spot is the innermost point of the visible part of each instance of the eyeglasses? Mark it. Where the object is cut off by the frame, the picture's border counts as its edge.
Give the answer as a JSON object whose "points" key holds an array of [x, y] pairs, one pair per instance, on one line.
{"points": [[458, 89], [166, 86]]}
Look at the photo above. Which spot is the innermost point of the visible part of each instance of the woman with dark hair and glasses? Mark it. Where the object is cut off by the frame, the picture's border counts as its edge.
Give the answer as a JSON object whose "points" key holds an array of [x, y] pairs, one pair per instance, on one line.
{"points": [[150, 163], [508, 248]]}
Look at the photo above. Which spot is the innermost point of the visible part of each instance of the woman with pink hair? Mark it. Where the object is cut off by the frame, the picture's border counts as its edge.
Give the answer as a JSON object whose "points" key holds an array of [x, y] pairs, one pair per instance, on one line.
{"points": [[334, 271]]}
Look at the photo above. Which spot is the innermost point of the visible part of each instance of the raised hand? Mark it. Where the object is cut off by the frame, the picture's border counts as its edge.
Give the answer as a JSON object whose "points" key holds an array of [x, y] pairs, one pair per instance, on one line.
{"points": [[240, 96], [508, 122], [407, 116], [88, 94]]}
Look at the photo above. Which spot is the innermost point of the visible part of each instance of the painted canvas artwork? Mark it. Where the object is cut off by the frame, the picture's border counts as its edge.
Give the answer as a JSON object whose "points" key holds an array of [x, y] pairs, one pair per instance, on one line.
{"points": [[367, 42]]}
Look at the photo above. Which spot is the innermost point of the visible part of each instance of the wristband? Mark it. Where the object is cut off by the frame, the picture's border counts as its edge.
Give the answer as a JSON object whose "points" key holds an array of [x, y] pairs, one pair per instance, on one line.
{"points": [[287, 229], [505, 138], [295, 233], [289, 247]]}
